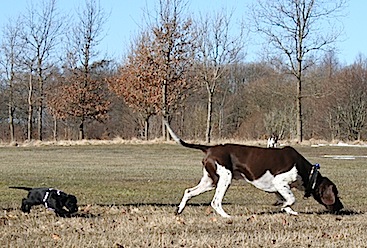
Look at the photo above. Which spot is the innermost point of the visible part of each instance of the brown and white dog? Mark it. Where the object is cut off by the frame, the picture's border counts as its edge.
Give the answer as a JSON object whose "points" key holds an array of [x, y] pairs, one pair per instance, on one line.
{"points": [[270, 169]]}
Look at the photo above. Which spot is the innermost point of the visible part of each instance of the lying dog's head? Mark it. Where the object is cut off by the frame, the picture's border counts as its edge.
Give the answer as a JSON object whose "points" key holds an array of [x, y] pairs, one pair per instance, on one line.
{"points": [[326, 194], [70, 202]]}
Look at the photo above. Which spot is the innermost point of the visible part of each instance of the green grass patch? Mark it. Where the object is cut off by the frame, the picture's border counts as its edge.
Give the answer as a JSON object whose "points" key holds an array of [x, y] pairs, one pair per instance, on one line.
{"points": [[128, 195]]}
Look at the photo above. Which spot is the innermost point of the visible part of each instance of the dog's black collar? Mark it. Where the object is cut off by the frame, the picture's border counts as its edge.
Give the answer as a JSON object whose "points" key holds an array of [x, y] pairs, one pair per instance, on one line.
{"points": [[47, 194], [312, 180]]}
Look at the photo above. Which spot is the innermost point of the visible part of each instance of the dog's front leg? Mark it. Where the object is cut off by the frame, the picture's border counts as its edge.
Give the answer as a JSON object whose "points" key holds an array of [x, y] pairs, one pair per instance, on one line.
{"points": [[26, 206], [281, 184], [62, 213]]}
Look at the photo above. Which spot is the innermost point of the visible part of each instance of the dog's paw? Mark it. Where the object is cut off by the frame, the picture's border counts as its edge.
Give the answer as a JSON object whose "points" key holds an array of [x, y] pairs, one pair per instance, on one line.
{"points": [[289, 211]]}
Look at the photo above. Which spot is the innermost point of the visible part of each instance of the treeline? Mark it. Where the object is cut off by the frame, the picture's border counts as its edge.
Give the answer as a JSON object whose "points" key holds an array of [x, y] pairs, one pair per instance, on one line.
{"points": [[191, 72]]}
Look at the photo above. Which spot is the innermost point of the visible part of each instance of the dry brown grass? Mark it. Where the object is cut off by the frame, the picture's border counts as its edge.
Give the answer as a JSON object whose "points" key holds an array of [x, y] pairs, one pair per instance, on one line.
{"points": [[128, 194]]}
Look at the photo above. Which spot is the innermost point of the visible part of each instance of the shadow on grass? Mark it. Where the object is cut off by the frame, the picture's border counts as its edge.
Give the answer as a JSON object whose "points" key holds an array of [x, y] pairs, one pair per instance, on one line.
{"points": [[66, 215], [141, 204], [83, 215], [346, 212], [89, 215]]}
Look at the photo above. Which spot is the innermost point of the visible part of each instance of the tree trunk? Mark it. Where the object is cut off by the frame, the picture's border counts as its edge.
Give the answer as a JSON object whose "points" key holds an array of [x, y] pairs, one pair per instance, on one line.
{"points": [[39, 117], [146, 128], [40, 98], [81, 129], [40, 106], [209, 117], [55, 128], [11, 123], [299, 91], [30, 108], [164, 110], [299, 113], [11, 112]]}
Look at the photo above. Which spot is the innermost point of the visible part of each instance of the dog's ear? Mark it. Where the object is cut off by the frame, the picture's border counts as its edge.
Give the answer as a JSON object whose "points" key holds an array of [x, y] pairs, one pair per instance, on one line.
{"points": [[328, 195]]}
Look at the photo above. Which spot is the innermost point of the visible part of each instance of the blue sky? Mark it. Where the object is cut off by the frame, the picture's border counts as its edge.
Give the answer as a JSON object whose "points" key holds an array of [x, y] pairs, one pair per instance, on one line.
{"points": [[126, 18]]}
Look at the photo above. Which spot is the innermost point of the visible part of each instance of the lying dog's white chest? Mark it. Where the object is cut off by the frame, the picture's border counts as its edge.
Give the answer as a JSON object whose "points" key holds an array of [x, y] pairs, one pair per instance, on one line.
{"points": [[267, 182]]}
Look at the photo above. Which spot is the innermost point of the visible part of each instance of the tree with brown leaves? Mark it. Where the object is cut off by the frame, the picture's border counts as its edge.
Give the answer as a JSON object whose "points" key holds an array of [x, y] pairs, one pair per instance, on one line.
{"points": [[138, 81], [155, 78], [83, 96], [173, 49], [80, 102]]}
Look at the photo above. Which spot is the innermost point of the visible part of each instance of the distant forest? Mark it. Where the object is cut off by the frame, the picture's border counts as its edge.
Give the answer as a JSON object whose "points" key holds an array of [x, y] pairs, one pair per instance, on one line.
{"points": [[192, 72]]}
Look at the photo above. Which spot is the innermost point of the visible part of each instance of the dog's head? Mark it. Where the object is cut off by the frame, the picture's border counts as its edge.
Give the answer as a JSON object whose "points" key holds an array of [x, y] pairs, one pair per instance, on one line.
{"points": [[326, 194], [70, 202]]}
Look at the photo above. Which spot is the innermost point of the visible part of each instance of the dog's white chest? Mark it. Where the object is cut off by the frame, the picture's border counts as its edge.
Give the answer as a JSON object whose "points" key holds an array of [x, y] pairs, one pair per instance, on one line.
{"points": [[268, 182], [265, 182]]}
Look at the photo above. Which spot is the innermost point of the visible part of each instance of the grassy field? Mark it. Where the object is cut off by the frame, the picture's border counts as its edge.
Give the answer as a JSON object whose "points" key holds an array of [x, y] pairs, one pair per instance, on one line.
{"points": [[128, 195]]}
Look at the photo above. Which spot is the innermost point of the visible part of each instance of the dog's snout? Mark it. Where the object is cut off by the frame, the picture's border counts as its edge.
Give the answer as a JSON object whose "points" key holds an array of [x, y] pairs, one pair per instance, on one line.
{"points": [[336, 207], [73, 208]]}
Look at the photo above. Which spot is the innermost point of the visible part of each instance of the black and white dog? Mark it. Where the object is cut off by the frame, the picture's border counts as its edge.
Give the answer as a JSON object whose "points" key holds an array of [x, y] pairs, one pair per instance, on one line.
{"points": [[53, 199], [272, 141]]}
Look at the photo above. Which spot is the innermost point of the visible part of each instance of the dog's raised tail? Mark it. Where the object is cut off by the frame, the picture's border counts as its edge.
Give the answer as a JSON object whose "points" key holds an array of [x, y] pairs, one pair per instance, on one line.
{"points": [[174, 136], [19, 187]]}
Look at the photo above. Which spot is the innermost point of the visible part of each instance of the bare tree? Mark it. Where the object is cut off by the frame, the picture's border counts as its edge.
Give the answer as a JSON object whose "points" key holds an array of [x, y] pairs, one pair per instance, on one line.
{"points": [[298, 30], [42, 28], [10, 51], [320, 84], [217, 49], [351, 99]]}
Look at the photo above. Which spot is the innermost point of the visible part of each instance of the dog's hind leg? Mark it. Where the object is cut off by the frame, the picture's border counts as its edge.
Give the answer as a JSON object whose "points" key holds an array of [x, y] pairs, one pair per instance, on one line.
{"points": [[205, 184], [225, 177]]}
